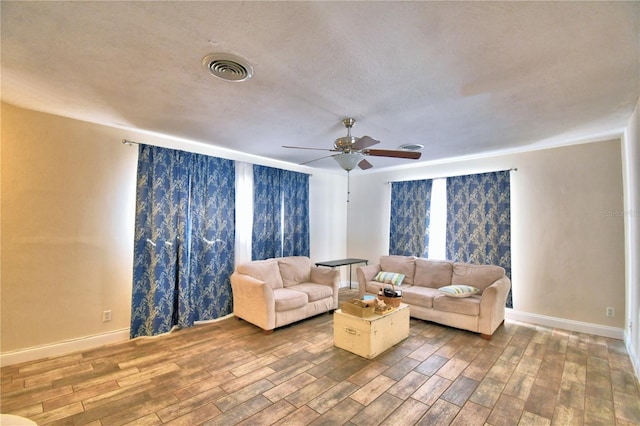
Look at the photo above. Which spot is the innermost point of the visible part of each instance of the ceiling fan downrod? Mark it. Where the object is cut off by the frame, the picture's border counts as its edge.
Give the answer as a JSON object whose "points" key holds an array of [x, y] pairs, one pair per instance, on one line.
{"points": [[345, 143]]}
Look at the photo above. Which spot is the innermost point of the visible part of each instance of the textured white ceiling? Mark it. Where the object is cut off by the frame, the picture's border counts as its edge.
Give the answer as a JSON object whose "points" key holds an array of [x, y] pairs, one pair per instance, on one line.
{"points": [[461, 78]]}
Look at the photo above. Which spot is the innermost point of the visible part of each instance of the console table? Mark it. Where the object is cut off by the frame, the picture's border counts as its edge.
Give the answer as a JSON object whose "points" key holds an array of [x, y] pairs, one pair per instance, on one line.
{"points": [[343, 262]]}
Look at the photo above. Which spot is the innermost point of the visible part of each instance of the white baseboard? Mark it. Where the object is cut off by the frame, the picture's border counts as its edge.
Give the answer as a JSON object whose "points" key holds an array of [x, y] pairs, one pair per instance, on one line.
{"points": [[122, 335], [633, 356], [345, 284], [566, 324], [64, 347]]}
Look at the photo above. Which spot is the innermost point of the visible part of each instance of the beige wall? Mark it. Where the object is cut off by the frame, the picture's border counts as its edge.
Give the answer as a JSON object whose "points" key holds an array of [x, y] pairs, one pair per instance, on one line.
{"points": [[67, 221], [567, 226], [68, 191], [67, 217], [569, 233]]}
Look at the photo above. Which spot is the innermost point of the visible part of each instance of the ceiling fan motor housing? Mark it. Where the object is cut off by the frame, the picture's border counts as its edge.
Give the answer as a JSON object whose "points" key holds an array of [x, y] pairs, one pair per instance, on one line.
{"points": [[345, 143]]}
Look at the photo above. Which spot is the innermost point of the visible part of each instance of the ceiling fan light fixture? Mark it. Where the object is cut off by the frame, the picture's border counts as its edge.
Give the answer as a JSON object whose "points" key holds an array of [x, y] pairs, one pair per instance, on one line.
{"points": [[349, 161], [410, 147], [228, 67]]}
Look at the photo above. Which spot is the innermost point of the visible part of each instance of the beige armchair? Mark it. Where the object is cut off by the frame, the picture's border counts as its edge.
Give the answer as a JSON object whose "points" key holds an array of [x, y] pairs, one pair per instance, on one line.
{"points": [[275, 292]]}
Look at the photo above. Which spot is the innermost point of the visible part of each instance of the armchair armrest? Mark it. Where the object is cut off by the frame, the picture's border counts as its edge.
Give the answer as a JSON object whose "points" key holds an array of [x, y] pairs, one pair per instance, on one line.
{"points": [[365, 274], [327, 276], [253, 301], [492, 305]]}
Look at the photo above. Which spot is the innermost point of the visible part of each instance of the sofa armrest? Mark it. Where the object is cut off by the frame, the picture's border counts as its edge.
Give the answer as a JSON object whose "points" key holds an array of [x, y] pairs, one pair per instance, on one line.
{"points": [[492, 305], [365, 274], [253, 301]]}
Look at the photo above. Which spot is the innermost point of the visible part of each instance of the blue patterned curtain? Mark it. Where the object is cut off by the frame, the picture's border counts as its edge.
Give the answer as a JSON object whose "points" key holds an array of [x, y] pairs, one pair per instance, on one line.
{"points": [[479, 220], [184, 238], [295, 187], [212, 238], [266, 236], [280, 213], [409, 222]]}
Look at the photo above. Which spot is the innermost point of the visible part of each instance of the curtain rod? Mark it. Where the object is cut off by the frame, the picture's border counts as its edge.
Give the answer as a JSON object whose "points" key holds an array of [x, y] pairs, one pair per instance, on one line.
{"points": [[512, 169], [129, 143]]}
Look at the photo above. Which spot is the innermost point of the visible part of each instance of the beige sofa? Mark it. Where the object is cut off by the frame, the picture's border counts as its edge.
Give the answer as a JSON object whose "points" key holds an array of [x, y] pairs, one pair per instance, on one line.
{"points": [[275, 292], [481, 313]]}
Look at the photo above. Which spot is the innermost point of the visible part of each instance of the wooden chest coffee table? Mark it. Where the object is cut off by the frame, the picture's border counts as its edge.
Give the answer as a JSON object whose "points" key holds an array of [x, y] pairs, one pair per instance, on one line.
{"points": [[370, 336]]}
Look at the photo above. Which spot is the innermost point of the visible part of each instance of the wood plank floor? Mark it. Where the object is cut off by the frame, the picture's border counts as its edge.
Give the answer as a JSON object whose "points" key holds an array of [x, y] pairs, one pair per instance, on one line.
{"points": [[229, 372]]}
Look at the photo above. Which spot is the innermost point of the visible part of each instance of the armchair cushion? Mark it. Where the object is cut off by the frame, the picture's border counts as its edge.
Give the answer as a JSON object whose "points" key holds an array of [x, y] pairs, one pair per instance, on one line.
{"points": [[264, 270], [287, 299], [328, 276], [295, 270], [314, 291]]}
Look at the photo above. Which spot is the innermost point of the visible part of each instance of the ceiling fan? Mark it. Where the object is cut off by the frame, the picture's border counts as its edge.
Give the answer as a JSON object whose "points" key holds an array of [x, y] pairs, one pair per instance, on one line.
{"points": [[352, 150]]}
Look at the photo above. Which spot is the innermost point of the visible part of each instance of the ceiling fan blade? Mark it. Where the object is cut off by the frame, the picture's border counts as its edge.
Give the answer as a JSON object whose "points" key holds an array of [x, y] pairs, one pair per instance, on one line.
{"points": [[364, 165], [316, 159], [304, 147], [411, 155], [364, 142]]}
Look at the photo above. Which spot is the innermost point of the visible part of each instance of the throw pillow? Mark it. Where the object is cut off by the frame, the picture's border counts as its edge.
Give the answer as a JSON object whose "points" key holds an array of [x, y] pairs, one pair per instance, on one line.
{"points": [[389, 278], [459, 290]]}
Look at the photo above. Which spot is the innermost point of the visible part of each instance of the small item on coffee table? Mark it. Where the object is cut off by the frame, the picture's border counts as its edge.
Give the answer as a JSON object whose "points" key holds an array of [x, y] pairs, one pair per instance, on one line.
{"points": [[383, 309], [390, 296], [358, 308]]}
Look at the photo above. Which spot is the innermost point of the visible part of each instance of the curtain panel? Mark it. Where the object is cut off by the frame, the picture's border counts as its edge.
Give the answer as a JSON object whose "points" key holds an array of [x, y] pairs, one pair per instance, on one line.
{"points": [[280, 213], [295, 203], [266, 237], [479, 220], [409, 222], [184, 239]]}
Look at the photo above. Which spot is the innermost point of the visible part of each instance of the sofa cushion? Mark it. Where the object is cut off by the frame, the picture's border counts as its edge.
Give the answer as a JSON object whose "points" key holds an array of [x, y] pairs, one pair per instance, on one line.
{"points": [[481, 276], [263, 270], [465, 306], [419, 296], [389, 277], [314, 291], [295, 270], [287, 299], [433, 273], [459, 290], [400, 264]]}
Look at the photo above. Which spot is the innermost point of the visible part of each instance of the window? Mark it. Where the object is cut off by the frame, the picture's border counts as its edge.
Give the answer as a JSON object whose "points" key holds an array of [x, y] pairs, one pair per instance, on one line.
{"points": [[438, 222]]}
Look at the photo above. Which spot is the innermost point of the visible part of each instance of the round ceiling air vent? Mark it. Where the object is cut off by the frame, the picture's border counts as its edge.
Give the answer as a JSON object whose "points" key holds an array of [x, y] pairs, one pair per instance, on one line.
{"points": [[410, 147], [228, 67]]}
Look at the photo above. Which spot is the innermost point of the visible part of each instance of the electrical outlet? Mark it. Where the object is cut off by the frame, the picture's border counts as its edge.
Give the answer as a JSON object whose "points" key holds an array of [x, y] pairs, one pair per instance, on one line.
{"points": [[611, 312], [106, 316]]}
